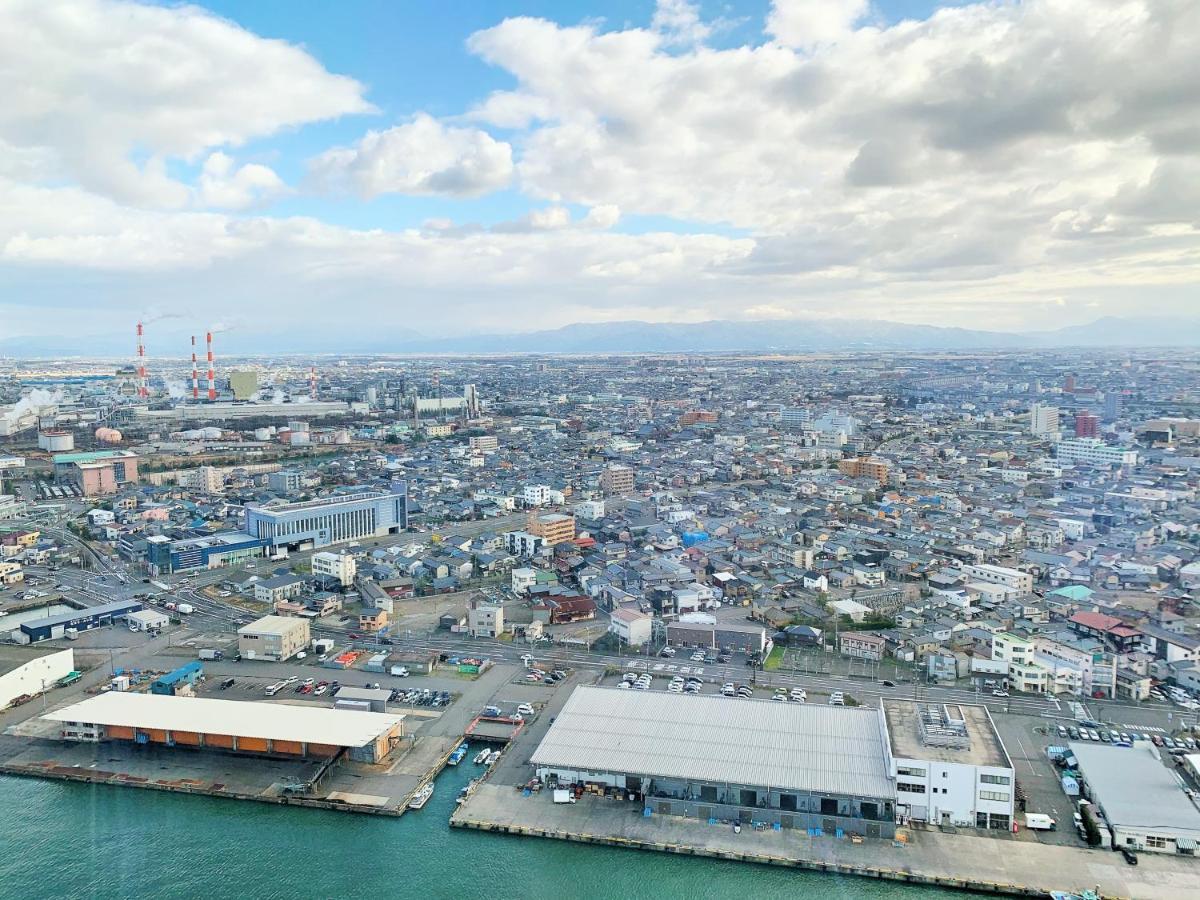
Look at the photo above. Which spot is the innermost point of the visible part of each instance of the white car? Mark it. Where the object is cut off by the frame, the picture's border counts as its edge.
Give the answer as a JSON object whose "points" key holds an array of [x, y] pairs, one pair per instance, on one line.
{"points": [[799, 695], [525, 709]]}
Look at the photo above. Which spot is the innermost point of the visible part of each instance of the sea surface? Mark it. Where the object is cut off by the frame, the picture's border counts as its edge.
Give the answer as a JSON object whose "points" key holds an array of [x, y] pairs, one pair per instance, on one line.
{"points": [[66, 840]]}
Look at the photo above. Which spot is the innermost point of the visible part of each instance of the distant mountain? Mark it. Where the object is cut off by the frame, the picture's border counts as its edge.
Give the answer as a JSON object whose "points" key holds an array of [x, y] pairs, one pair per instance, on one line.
{"points": [[762, 336], [809, 335]]}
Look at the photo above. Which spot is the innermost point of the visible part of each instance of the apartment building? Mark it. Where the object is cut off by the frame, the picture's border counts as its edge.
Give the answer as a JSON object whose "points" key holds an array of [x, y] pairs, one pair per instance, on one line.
{"points": [[1093, 451], [616, 481], [1014, 579], [553, 528], [335, 565], [865, 467]]}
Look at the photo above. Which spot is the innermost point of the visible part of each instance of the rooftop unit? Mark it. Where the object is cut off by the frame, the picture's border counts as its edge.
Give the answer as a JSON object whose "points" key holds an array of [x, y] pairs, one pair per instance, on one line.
{"points": [[943, 725]]}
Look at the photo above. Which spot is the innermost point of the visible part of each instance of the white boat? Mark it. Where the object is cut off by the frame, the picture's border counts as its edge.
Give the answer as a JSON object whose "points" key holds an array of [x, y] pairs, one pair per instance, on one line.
{"points": [[421, 797], [481, 757], [494, 758]]}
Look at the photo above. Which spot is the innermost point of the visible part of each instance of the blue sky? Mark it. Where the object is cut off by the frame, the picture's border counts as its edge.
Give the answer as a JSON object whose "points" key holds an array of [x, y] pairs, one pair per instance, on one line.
{"points": [[412, 57], [316, 171]]}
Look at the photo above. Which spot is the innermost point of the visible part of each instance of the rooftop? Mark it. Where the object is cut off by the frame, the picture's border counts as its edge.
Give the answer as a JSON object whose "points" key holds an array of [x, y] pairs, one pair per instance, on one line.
{"points": [[13, 656], [1135, 789], [271, 625], [970, 736], [803, 747], [273, 721]]}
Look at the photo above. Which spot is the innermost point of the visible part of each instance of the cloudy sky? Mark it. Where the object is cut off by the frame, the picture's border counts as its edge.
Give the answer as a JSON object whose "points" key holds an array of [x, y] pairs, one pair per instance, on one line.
{"points": [[381, 167]]}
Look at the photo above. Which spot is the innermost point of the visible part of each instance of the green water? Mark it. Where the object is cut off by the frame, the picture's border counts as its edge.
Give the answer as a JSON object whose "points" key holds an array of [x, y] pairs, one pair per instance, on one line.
{"points": [[62, 840]]}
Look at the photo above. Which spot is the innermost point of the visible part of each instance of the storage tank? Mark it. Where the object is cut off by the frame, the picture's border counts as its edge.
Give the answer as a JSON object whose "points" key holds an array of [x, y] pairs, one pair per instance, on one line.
{"points": [[108, 435], [56, 441]]}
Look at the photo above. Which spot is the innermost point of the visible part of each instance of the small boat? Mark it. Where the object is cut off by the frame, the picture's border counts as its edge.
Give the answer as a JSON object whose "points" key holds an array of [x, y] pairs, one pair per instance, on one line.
{"points": [[1071, 895], [482, 756], [458, 755], [465, 792], [494, 758], [421, 797]]}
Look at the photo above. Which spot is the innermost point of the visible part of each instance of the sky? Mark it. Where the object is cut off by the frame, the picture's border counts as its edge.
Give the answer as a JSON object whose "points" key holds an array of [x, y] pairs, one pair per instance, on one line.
{"points": [[382, 167]]}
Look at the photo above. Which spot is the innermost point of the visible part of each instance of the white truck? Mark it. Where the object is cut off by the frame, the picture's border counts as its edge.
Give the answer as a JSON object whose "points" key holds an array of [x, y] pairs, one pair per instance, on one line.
{"points": [[399, 671], [561, 796], [184, 609], [1039, 822]]}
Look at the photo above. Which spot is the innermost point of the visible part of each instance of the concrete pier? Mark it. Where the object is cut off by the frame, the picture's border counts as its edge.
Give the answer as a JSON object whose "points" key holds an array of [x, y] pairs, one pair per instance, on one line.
{"points": [[961, 861]]}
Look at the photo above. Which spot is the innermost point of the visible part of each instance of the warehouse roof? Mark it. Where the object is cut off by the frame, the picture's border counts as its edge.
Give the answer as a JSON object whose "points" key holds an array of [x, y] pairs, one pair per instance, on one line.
{"points": [[720, 739], [1136, 790], [273, 721], [116, 608], [271, 625]]}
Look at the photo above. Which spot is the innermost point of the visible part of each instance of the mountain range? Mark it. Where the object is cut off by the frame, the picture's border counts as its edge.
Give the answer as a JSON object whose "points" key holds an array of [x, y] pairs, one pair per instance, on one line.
{"points": [[759, 336]]}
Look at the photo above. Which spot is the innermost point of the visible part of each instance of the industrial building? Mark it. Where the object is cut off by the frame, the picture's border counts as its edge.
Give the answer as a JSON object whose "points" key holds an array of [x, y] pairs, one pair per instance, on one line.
{"points": [[1142, 802], [54, 627], [794, 765], [268, 729], [98, 472], [226, 548], [147, 620], [716, 636], [330, 520], [950, 766], [180, 682], [273, 637], [30, 671]]}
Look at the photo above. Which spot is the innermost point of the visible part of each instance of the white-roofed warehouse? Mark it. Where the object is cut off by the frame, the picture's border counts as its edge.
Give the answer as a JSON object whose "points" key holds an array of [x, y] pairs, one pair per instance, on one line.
{"points": [[789, 764], [231, 725]]}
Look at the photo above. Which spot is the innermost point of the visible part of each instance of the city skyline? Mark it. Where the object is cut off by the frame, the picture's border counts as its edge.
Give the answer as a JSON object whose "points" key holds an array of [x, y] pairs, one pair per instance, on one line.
{"points": [[1002, 167]]}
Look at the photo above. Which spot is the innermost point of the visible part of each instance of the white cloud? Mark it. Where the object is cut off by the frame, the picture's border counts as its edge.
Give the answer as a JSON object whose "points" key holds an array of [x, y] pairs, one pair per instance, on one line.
{"points": [[87, 84], [423, 156], [678, 21], [225, 185], [810, 23]]}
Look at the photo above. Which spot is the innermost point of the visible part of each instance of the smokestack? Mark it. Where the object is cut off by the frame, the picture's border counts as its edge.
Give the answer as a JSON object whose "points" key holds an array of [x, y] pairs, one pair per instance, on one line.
{"points": [[143, 390], [312, 382], [195, 373], [212, 375]]}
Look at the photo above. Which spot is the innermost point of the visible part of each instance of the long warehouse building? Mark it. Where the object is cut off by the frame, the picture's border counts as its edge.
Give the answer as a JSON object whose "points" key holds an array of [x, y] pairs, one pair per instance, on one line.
{"points": [[266, 729], [48, 628], [793, 765], [330, 520]]}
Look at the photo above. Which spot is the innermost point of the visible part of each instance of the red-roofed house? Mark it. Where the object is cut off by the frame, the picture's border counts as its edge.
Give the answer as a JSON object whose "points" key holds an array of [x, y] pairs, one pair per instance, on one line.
{"points": [[1109, 629]]}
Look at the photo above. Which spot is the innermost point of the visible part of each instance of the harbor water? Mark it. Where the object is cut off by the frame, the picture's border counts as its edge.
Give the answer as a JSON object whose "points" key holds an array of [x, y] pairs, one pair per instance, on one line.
{"points": [[66, 840]]}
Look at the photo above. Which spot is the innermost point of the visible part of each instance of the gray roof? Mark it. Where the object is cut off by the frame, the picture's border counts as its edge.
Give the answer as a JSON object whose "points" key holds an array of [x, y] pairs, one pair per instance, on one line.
{"points": [[1135, 790], [708, 738]]}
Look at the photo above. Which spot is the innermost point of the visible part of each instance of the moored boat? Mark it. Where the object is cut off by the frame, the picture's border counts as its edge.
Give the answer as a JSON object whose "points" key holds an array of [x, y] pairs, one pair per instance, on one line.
{"points": [[421, 797]]}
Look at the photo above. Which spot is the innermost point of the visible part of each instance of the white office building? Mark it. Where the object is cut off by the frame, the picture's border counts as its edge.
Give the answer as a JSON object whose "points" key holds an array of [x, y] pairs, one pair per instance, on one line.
{"points": [[1094, 452], [335, 565], [1043, 420], [1013, 579], [950, 766]]}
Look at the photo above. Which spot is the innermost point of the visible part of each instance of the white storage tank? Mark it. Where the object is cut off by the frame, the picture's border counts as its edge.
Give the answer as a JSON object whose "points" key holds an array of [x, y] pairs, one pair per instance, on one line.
{"points": [[56, 441]]}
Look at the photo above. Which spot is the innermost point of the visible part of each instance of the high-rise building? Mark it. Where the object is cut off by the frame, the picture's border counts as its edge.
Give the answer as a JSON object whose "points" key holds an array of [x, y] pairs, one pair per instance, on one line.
{"points": [[865, 467], [1069, 384], [1043, 420], [553, 528], [1087, 425], [616, 481], [1112, 406]]}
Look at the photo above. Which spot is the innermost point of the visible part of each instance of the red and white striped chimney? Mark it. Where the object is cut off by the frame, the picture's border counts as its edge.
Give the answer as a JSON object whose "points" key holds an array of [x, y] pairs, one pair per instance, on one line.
{"points": [[195, 372], [143, 390], [212, 375]]}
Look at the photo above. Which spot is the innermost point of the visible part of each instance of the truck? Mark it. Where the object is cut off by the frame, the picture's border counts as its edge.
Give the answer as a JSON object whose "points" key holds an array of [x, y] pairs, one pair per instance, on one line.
{"points": [[1039, 822], [399, 671], [211, 654], [184, 609], [322, 645], [563, 796]]}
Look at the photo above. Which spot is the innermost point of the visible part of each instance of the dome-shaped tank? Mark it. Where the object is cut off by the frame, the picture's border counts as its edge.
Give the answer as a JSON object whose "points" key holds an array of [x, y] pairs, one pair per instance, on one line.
{"points": [[108, 435]]}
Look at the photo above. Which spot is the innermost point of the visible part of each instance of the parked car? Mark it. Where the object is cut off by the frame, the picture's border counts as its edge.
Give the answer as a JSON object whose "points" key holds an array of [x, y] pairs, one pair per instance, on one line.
{"points": [[1130, 856], [525, 709]]}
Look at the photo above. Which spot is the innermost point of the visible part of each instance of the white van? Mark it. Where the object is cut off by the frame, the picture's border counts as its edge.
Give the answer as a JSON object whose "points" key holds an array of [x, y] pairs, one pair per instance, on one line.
{"points": [[837, 699]]}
